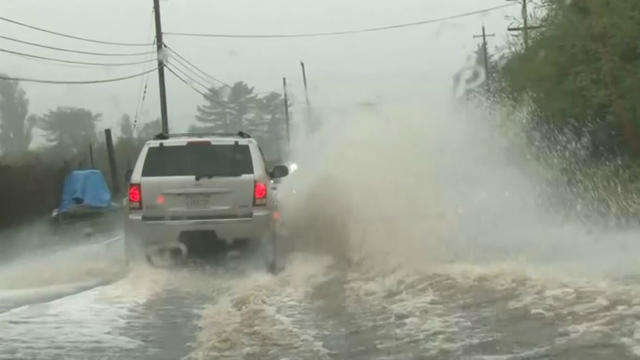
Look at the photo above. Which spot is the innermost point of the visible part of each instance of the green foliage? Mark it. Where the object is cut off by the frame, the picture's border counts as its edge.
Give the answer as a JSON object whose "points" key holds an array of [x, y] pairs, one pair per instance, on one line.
{"points": [[149, 129], [239, 108], [126, 127], [70, 130], [15, 126], [228, 110], [582, 73]]}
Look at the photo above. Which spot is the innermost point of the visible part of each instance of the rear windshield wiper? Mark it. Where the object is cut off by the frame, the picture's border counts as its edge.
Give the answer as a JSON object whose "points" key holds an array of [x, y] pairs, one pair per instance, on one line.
{"points": [[209, 176], [201, 176]]}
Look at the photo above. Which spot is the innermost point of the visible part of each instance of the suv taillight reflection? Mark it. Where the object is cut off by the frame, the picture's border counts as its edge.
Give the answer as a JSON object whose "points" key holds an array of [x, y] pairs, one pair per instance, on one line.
{"points": [[135, 196], [259, 194]]}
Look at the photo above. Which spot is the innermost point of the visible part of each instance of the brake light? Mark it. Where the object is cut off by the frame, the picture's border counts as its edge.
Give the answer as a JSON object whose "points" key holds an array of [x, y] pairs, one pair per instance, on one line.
{"points": [[135, 196], [259, 193]]}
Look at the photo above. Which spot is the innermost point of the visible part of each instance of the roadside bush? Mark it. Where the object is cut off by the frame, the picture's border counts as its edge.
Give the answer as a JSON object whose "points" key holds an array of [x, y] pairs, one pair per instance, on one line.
{"points": [[29, 188]]}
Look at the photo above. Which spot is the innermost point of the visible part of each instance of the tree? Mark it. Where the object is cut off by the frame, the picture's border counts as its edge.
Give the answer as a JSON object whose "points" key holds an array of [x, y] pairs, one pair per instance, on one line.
{"points": [[581, 74], [70, 129], [15, 127], [126, 127], [150, 129], [270, 127], [228, 110], [238, 108]]}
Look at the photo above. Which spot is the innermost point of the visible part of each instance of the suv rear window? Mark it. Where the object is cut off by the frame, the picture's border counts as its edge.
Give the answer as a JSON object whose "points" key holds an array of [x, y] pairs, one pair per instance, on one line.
{"points": [[198, 160]]}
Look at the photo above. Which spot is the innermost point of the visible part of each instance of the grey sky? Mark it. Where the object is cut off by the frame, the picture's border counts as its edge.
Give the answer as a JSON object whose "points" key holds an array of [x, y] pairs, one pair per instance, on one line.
{"points": [[355, 67]]}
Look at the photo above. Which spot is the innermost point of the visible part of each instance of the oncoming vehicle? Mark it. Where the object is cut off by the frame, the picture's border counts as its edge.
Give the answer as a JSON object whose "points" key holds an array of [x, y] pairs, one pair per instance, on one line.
{"points": [[186, 189]]}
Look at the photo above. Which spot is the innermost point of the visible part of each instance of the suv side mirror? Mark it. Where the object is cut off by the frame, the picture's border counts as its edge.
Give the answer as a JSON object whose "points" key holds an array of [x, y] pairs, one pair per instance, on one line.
{"points": [[279, 171]]}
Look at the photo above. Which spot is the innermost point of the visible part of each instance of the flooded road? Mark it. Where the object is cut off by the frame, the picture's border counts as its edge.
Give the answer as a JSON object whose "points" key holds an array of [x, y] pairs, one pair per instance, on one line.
{"points": [[448, 257], [320, 309]]}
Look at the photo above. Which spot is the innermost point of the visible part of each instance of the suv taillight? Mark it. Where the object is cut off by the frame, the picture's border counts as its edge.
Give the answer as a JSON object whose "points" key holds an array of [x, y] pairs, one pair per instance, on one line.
{"points": [[259, 194], [135, 196]]}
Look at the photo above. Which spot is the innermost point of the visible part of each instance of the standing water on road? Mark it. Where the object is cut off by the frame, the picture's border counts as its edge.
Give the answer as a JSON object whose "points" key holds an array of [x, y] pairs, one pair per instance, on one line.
{"points": [[495, 219], [440, 245], [412, 233]]}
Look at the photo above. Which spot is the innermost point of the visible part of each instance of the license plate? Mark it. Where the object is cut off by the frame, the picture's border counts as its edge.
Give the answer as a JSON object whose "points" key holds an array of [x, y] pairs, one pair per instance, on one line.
{"points": [[197, 202]]}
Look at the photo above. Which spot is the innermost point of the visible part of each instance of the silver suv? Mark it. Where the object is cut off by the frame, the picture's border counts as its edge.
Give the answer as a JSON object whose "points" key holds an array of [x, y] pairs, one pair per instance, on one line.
{"points": [[211, 187]]}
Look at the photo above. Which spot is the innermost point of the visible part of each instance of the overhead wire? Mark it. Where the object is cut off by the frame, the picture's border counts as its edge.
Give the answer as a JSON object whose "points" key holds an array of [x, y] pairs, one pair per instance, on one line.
{"points": [[73, 50], [173, 69], [83, 82], [49, 62], [144, 81], [15, 22], [206, 96], [203, 81], [186, 82], [66, 61], [198, 69], [342, 32], [182, 79]]}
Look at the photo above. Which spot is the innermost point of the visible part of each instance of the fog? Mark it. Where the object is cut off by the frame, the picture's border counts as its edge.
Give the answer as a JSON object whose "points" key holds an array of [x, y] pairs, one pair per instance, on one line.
{"points": [[417, 225], [356, 67]]}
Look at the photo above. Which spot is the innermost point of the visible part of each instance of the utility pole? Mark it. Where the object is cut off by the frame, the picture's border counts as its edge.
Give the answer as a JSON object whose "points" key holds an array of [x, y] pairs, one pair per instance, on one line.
{"points": [[112, 162], [304, 79], [525, 28], [525, 19], [485, 50], [93, 164], [159, 51], [286, 108]]}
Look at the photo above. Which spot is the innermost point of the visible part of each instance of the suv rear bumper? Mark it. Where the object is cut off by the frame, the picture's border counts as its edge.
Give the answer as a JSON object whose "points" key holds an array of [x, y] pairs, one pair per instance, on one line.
{"points": [[165, 233]]}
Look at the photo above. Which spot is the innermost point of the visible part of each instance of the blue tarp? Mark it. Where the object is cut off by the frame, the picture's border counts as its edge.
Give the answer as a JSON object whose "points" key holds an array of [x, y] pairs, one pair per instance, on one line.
{"points": [[84, 189]]}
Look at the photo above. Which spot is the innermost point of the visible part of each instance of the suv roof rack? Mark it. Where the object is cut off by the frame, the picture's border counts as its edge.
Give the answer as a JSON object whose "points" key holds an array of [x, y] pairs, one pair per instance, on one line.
{"points": [[241, 134]]}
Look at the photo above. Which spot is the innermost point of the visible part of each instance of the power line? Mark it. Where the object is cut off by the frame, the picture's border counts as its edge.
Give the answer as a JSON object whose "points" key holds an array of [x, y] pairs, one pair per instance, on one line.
{"points": [[343, 32], [195, 67], [141, 103], [184, 69], [197, 72], [71, 36], [73, 61], [8, 78], [74, 51], [208, 97], [207, 85], [185, 75], [186, 82], [144, 81]]}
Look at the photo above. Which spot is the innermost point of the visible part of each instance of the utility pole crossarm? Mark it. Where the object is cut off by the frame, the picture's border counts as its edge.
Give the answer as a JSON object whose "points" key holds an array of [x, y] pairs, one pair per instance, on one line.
{"points": [[520, 28], [525, 25]]}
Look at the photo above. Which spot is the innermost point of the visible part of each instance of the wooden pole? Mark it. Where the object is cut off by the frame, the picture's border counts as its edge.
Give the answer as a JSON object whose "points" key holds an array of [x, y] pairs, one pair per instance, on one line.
{"points": [[304, 79], [115, 184], [93, 164], [286, 109], [485, 50], [161, 56]]}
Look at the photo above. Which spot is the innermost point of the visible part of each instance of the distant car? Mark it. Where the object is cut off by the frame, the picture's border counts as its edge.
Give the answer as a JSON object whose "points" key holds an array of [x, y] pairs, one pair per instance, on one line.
{"points": [[185, 189]]}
